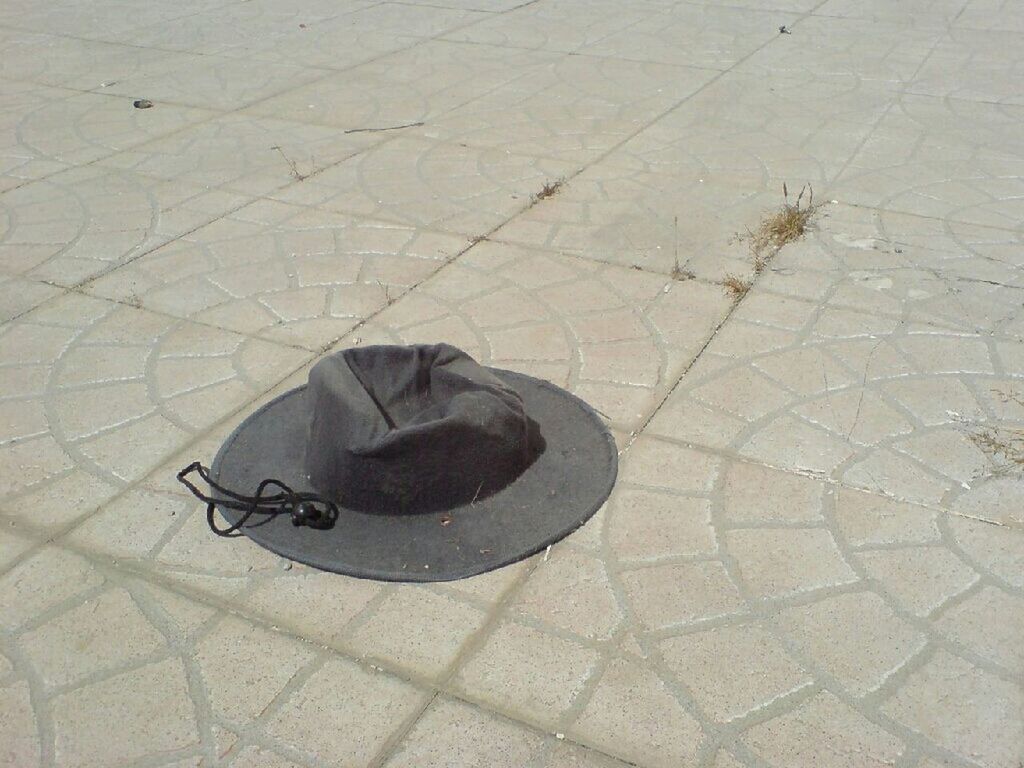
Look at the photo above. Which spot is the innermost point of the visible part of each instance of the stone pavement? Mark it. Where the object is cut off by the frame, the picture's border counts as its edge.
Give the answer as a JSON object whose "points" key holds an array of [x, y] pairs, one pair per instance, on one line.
{"points": [[815, 552]]}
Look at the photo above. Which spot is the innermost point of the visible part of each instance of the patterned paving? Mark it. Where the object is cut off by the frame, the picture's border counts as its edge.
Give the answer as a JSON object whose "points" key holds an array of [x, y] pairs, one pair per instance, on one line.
{"points": [[814, 553]]}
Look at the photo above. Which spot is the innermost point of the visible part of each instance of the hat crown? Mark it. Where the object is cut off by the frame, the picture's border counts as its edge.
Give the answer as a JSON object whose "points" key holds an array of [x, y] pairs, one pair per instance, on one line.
{"points": [[405, 429]]}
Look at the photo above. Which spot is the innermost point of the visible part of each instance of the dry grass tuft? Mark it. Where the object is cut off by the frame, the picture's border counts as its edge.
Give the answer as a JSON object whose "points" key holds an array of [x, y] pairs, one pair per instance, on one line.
{"points": [[735, 287], [548, 190], [680, 274], [1004, 446], [784, 226]]}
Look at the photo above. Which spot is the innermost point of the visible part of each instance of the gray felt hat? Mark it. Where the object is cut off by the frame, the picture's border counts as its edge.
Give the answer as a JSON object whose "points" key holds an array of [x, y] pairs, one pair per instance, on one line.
{"points": [[433, 466]]}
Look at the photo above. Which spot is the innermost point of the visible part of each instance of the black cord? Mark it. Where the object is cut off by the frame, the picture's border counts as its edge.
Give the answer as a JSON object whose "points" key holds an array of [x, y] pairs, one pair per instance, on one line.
{"points": [[308, 509]]}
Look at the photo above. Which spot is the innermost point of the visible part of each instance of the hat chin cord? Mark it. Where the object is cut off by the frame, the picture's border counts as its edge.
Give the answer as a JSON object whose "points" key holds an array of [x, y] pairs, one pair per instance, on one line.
{"points": [[306, 509]]}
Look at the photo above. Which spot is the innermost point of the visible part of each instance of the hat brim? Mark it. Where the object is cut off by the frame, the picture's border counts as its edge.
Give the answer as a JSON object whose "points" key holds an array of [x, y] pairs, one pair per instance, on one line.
{"points": [[553, 497]]}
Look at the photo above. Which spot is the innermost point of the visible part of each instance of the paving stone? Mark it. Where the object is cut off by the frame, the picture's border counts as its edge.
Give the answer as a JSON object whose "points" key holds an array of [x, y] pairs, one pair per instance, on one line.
{"points": [[865, 518], [855, 637], [18, 729], [633, 715], [12, 545], [296, 599], [291, 274], [44, 580], [119, 426], [988, 622], [453, 731], [152, 708], [781, 562], [255, 757], [657, 463], [754, 493], [231, 659], [920, 579], [647, 526], [572, 756], [530, 673], [733, 670], [78, 643], [18, 295], [417, 630], [998, 550], [70, 227], [571, 590], [962, 709], [364, 708], [823, 729], [675, 595]]}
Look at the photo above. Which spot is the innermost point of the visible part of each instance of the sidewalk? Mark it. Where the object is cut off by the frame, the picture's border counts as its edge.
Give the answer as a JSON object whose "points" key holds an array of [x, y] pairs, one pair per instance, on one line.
{"points": [[814, 555]]}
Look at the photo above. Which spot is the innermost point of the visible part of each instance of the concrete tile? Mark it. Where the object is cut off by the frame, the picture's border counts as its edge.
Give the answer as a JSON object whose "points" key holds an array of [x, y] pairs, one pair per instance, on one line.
{"points": [[18, 295], [919, 579], [865, 518], [854, 637], [453, 731], [851, 49], [647, 526], [934, 13], [12, 545], [100, 21], [295, 600], [734, 670], [75, 225], [965, 65], [78, 644], [365, 708], [633, 715], [246, 154], [962, 709], [528, 673], [572, 591], [456, 189], [657, 463], [781, 562], [710, 37], [18, 726], [921, 167], [290, 274], [987, 623], [119, 429], [823, 728], [46, 130], [48, 58], [40, 582], [554, 26], [212, 82], [572, 108], [675, 595], [998, 551], [244, 667], [752, 494], [417, 630], [152, 708], [420, 84]]}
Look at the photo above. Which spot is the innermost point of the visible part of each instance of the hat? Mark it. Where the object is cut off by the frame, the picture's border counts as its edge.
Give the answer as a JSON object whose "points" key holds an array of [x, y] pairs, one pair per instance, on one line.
{"points": [[427, 466]]}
